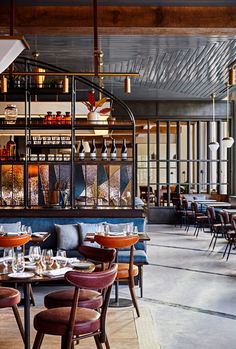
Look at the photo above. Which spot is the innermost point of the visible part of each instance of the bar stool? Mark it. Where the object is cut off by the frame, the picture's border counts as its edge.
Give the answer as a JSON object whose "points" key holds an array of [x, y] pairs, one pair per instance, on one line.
{"points": [[126, 271], [87, 298], [10, 297]]}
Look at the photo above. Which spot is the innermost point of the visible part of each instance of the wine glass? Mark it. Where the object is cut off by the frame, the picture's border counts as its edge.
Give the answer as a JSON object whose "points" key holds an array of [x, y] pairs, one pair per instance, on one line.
{"points": [[8, 255], [18, 262], [47, 259], [61, 258], [34, 254]]}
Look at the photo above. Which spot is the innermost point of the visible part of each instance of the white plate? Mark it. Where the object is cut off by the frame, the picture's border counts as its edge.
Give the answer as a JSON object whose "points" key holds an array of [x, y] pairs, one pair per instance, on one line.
{"points": [[24, 275], [81, 265]]}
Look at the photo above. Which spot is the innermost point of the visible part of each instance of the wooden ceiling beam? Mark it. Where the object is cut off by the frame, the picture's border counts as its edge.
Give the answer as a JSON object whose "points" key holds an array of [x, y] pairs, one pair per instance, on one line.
{"points": [[56, 20]]}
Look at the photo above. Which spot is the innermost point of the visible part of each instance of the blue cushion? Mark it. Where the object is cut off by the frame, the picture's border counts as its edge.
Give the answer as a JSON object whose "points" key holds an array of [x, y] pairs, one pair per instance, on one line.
{"points": [[140, 256], [47, 224]]}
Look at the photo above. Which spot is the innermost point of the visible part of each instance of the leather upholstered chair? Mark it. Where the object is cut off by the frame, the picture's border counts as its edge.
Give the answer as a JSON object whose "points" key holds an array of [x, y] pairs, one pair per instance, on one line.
{"points": [[126, 271], [75, 323], [87, 298], [10, 297]]}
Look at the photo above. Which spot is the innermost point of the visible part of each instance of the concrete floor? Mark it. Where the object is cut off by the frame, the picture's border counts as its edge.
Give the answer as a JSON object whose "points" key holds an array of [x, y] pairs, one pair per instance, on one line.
{"points": [[190, 292]]}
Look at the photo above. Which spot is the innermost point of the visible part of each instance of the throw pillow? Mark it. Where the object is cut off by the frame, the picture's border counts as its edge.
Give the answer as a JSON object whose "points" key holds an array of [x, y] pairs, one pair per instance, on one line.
{"points": [[67, 236]]}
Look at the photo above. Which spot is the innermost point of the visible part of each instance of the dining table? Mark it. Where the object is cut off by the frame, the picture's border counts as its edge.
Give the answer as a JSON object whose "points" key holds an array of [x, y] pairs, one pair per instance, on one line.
{"points": [[26, 282]]}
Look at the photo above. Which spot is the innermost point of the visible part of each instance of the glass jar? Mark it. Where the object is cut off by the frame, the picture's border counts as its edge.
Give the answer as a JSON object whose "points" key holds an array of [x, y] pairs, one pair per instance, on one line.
{"points": [[11, 114]]}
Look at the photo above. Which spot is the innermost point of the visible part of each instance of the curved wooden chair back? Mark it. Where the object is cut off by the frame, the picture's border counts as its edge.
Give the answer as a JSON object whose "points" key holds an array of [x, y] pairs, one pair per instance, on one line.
{"points": [[97, 280], [98, 255], [116, 241]]}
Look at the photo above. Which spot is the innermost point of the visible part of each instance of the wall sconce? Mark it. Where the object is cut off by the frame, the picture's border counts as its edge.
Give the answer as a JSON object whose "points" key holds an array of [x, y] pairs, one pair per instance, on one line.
{"points": [[127, 85], [3, 84], [231, 79], [66, 85]]}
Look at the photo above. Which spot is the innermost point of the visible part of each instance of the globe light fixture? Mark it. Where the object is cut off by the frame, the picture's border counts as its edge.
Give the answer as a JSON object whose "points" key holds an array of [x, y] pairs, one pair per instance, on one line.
{"points": [[227, 141], [213, 145]]}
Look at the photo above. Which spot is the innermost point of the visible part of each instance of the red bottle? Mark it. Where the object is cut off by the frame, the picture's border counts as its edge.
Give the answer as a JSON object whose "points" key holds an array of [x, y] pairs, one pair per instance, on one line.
{"points": [[4, 154], [58, 118], [11, 149], [48, 118]]}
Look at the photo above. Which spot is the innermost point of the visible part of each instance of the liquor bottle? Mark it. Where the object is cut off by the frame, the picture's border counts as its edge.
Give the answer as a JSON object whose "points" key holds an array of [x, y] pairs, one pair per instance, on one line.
{"points": [[124, 151], [48, 118], [11, 149], [104, 150], [58, 118], [0, 152], [4, 153], [93, 150], [67, 118], [113, 150], [81, 151]]}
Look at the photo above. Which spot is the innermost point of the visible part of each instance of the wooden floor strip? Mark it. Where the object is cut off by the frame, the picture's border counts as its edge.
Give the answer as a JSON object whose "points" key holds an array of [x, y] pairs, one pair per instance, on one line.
{"points": [[146, 331], [122, 331]]}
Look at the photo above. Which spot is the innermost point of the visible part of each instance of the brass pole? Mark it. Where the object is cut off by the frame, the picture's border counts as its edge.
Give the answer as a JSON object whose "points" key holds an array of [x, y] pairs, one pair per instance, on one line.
{"points": [[103, 74]]}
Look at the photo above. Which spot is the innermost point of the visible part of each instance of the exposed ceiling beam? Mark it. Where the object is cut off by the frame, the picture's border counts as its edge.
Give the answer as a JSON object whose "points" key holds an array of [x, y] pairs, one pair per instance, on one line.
{"points": [[121, 20]]}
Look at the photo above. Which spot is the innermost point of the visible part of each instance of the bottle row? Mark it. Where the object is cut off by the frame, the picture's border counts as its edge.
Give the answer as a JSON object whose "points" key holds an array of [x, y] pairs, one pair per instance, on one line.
{"points": [[50, 140], [57, 119], [104, 151]]}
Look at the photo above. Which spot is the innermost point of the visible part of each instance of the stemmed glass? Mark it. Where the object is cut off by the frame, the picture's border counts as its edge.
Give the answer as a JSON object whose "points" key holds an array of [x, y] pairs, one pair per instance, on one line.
{"points": [[8, 255], [61, 258], [18, 262], [35, 254], [47, 259]]}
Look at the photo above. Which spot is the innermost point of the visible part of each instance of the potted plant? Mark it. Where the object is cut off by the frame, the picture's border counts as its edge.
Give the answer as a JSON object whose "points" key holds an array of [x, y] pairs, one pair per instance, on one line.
{"points": [[93, 106]]}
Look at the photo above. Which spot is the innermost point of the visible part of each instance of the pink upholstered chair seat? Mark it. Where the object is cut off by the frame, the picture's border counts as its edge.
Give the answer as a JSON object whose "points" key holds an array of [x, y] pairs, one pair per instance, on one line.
{"points": [[64, 298], [55, 321]]}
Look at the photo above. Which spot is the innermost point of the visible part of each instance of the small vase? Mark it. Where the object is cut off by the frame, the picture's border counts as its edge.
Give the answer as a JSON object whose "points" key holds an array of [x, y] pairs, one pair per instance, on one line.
{"points": [[93, 116]]}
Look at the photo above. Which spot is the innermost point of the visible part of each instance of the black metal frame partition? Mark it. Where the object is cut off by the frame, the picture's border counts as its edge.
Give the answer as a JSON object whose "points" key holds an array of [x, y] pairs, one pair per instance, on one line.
{"points": [[197, 161], [29, 64]]}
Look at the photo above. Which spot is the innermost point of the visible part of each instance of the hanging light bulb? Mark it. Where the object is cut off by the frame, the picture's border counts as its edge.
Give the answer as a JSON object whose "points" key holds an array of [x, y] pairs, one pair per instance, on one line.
{"points": [[127, 85], [213, 145], [231, 80], [227, 141], [66, 85], [3, 84]]}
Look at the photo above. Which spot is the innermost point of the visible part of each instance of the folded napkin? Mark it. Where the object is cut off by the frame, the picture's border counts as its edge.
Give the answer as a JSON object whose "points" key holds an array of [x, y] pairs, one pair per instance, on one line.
{"points": [[56, 272]]}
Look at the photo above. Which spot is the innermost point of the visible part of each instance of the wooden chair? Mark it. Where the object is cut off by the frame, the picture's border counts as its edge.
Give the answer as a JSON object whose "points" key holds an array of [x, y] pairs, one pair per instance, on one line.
{"points": [[87, 298], [201, 220], [230, 231], [126, 271], [10, 297], [217, 229], [75, 323]]}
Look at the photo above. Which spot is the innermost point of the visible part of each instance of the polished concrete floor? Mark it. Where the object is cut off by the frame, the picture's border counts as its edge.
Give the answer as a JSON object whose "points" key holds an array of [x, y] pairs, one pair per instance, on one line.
{"points": [[190, 291]]}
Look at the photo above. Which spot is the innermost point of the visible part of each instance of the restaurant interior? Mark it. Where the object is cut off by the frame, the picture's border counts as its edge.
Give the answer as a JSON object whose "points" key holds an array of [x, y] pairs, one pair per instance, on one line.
{"points": [[117, 174]]}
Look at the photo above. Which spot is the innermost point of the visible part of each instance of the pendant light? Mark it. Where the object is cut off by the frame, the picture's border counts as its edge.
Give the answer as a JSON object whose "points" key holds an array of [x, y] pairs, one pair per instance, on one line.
{"points": [[213, 145], [227, 141]]}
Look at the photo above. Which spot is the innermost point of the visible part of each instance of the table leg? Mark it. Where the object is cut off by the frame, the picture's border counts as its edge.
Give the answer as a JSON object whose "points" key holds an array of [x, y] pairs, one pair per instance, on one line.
{"points": [[27, 314]]}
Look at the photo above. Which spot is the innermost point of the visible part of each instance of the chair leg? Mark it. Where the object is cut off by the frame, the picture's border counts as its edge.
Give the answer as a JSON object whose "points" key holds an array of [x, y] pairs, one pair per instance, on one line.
{"points": [[134, 300], [38, 340], [32, 296], [97, 341], [228, 243], [211, 242], [140, 273], [19, 322], [107, 345], [230, 246]]}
